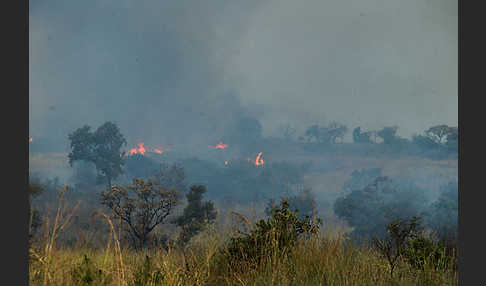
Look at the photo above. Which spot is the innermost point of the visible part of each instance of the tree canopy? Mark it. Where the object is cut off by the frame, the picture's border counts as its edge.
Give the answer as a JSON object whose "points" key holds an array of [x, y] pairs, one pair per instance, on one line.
{"points": [[101, 147]]}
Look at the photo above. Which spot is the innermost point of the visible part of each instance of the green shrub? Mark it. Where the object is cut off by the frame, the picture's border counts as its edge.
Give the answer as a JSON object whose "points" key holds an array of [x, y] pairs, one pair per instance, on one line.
{"points": [[196, 214], [277, 235], [421, 251]]}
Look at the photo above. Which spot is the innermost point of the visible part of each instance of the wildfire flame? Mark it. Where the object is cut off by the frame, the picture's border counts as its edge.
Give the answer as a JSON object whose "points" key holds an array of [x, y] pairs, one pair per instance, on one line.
{"points": [[259, 161], [220, 145], [140, 150]]}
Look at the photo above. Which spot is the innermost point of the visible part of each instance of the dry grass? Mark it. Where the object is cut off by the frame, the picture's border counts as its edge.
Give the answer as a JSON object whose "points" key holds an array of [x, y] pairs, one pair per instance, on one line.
{"points": [[319, 261]]}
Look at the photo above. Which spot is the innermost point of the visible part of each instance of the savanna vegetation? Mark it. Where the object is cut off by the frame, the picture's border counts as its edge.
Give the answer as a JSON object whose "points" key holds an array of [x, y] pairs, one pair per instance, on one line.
{"points": [[130, 220]]}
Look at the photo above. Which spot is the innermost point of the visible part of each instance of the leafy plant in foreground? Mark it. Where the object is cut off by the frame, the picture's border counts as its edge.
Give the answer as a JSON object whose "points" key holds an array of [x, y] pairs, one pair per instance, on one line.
{"points": [[276, 234]]}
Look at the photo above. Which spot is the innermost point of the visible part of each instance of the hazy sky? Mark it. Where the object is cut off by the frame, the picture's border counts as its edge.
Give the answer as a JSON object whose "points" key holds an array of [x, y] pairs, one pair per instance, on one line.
{"points": [[179, 72]]}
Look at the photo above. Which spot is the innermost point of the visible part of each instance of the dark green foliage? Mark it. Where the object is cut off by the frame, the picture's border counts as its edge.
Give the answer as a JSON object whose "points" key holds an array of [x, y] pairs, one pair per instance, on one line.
{"points": [[371, 209], [277, 234], [393, 246], [86, 273], [141, 206], [102, 148], [197, 214], [147, 274], [420, 251]]}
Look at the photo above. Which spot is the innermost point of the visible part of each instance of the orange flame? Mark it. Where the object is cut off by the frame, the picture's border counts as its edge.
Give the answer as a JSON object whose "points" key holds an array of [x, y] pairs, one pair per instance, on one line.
{"points": [[142, 150], [259, 161], [220, 145], [139, 150]]}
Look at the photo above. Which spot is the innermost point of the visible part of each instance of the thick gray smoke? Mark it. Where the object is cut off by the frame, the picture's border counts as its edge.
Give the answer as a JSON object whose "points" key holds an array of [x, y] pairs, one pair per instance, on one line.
{"points": [[178, 73], [153, 67]]}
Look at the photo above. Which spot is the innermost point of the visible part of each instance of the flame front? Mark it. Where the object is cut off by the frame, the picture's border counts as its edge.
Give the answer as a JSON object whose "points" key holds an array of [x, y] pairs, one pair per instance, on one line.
{"points": [[220, 145], [139, 150], [142, 150], [259, 161]]}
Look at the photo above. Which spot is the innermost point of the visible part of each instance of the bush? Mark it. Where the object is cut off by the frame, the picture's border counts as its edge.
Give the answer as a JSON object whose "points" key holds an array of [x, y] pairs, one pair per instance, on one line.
{"points": [[276, 235], [421, 251], [302, 203], [392, 247]]}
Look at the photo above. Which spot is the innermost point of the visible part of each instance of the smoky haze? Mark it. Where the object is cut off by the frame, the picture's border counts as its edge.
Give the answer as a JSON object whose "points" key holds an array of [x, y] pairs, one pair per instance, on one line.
{"points": [[179, 73]]}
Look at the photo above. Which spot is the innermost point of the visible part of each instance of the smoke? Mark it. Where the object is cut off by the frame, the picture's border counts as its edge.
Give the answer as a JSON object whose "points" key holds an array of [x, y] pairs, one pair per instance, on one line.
{"points": [[182, 72], [370, 63], [153, 67]]}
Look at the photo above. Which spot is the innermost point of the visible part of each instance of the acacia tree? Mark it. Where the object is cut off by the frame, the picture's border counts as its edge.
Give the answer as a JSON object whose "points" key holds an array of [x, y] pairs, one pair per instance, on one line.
{"points": [[101, 148], [439, 133], [141, 206]]}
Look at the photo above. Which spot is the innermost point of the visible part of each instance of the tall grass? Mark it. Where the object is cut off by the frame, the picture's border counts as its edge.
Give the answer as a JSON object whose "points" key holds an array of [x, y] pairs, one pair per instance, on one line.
{"points": [[321, 260]]}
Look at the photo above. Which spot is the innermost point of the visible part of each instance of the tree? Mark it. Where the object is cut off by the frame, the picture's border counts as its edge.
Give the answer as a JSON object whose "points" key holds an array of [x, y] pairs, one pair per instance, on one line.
{"points": [[196, 214], [335, 131], [370, 209], [388, 134], [362, 137], [141, 206], [439, 133], [102, 148], [399, 232], [327, 134]]}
